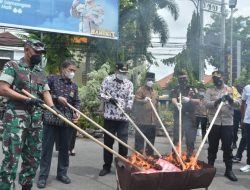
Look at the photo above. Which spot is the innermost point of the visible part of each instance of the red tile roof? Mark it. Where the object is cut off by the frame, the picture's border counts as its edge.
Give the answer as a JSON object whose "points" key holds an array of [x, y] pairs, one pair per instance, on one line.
{"points": [[8, 39], [163, 83]]}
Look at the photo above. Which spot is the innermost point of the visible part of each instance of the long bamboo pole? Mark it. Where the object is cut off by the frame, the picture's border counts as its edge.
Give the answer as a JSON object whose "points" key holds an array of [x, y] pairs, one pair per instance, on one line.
{"points": [[208, 131], [167, 134], [137, 128], [180, 125], [107, 132], [83, 132]]}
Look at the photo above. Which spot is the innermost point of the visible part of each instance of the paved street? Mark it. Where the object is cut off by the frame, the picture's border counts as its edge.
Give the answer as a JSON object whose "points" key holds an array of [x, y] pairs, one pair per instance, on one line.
{"points": [[85, 166]]}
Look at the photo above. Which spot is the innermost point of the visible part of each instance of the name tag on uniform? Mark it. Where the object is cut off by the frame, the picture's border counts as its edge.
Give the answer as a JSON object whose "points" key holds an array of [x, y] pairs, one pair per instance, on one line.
{"points": [[71, 94]]}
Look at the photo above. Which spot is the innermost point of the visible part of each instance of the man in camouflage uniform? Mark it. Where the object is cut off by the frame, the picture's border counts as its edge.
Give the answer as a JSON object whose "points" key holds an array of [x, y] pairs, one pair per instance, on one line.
{"points": [[2, 109], [22, 119]]}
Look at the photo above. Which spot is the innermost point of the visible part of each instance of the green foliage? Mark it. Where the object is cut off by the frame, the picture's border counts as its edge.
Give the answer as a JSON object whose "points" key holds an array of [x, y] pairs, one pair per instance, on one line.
{"points": [[241, 31], [85, 124], [167, 117], [89, 93], [173, 83], [58, 49]]}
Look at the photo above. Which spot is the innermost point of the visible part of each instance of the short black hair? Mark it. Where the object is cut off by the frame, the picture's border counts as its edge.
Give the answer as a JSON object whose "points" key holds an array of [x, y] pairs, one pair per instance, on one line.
{"points": [[67, 63], [217, 74]]}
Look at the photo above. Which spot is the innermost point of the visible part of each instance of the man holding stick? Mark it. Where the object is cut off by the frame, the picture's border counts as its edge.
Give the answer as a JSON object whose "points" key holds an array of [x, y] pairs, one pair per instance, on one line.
{"points": [[115, 89], [22, 120], [144, 114], [189, 101], [63, 91], [223, 125]]}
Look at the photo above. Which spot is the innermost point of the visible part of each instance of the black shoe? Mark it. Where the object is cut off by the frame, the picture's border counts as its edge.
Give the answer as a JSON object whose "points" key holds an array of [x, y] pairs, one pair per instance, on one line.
{"points": [[41, 183], [236, 159], [104, 172], [230, 175], [72, 153], [26, 187], [64, 179]]}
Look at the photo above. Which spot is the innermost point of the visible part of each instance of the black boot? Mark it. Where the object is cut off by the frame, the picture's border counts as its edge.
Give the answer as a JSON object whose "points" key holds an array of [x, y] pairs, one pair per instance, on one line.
{"points": [[26, 187], [229, 173]]}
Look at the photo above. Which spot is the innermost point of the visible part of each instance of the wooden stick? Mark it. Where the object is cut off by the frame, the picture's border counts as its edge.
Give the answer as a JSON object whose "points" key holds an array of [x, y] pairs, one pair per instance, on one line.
{"points": [[137, 128], [208, 131], [167, 134], [107, 132], [83, 132], [180, 126]]}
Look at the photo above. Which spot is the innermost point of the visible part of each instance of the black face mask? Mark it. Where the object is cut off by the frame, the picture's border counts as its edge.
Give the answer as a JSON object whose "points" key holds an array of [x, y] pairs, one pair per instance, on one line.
{"points": [[183, 82], [35, 59], [218, 82]]}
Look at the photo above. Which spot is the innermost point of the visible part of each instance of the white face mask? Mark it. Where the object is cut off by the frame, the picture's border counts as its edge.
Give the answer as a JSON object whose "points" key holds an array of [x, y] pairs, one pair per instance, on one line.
{"points": [[150, 83], [69, 75], [120, 76]]}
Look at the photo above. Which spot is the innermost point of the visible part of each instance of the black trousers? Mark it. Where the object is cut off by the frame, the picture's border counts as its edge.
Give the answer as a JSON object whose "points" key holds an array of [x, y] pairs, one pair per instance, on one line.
{"points": [[49, 134], [243, 143], [203, 122], [149, 132], [73, 140], [120, 129], [225, 134], [236, 120]]}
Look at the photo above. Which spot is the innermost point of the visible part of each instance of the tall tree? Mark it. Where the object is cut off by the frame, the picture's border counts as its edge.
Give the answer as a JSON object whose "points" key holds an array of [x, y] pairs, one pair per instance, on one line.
{"points": [[188, 58], [241, 31]]}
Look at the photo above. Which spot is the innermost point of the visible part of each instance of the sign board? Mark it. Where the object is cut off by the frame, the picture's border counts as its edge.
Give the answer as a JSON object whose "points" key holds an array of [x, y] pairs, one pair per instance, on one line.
{"points": [[96, 18]]}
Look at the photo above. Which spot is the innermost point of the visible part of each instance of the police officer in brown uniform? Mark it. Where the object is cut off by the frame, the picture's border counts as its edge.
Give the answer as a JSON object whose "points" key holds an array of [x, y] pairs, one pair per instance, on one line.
{"points": [[189, 101], [223, 125]]}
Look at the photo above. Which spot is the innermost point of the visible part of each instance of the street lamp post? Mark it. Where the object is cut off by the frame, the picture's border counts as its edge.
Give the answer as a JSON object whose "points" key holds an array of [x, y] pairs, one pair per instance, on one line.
{"points": [[232, 5]]}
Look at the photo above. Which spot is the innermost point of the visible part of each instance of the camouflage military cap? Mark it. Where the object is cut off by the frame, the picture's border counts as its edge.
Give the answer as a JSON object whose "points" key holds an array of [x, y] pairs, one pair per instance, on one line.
{"points": [[37, 45]]}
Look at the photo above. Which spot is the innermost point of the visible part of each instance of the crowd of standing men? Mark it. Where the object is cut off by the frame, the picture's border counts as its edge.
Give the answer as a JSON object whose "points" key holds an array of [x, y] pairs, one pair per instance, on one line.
{"points": [[30, 135]]}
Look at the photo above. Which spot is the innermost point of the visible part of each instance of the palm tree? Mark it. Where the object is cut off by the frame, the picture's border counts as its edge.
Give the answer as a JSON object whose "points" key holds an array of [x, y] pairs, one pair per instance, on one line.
{"points": [[142, 19]]}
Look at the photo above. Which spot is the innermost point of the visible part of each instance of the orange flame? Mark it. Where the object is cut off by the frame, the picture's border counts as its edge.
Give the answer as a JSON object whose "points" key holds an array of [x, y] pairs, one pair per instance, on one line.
{"points": [[143, 163], [189, 162]]}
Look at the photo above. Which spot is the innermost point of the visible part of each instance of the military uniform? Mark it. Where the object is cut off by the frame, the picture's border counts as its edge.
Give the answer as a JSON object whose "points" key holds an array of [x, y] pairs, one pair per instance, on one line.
{"points": [[188, 117], [22, 124]]}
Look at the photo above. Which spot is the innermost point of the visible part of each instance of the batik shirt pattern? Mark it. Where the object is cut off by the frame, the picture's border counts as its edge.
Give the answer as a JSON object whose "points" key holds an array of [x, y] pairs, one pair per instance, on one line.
{"points": [[121, 91], [65, 88]]}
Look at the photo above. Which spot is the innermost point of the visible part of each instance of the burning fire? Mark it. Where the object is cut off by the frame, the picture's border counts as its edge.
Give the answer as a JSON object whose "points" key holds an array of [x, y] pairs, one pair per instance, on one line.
{"points": [[189, 162], [146, 163]]}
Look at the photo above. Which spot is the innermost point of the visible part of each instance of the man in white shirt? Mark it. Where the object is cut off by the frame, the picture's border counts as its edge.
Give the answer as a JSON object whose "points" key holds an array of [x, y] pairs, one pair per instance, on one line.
{"points": [[245, 111]]}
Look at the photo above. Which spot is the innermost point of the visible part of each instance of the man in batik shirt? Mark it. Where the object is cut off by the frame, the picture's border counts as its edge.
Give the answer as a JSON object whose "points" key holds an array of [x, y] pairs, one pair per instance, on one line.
{"points": [[115, 89]]}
